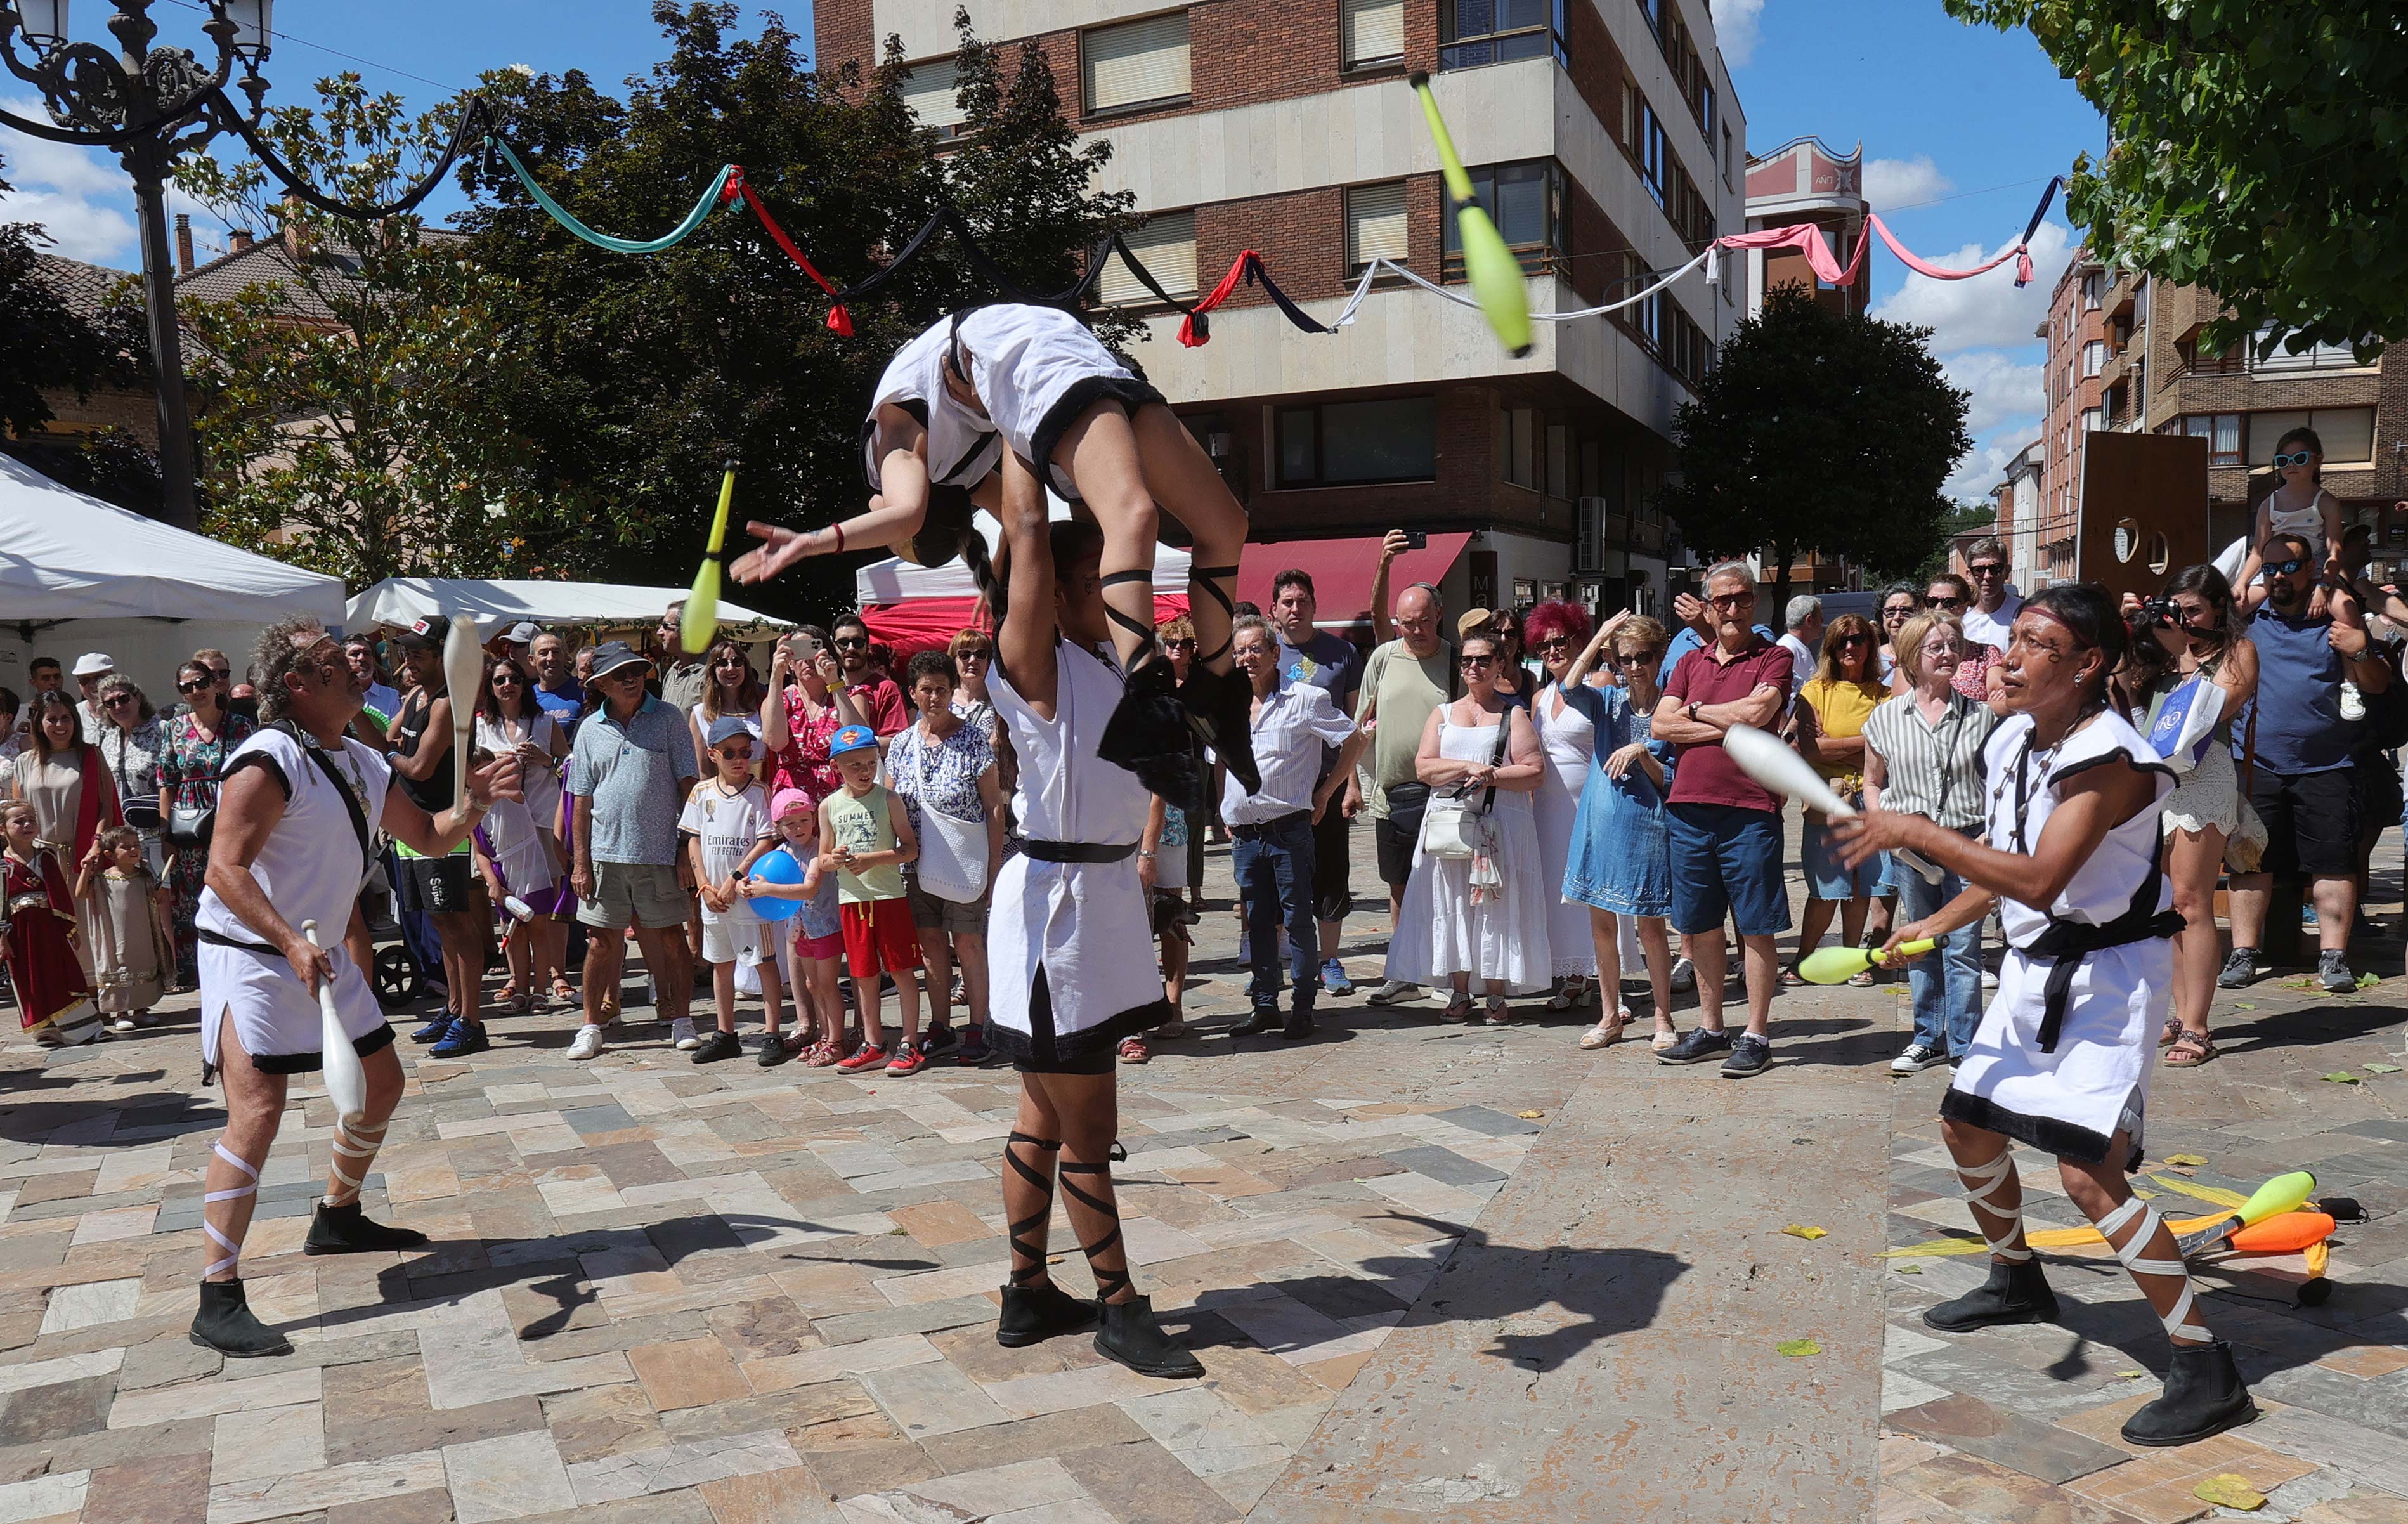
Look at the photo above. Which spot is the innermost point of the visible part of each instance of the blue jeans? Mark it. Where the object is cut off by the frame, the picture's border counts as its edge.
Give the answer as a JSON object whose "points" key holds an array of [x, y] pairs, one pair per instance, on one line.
{"points": [[1946, 983], [1274, 872]]}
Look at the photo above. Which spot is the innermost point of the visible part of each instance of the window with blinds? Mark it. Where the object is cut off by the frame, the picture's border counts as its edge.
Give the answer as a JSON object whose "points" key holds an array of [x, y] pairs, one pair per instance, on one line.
{"points": [[1135, 63], [1375, 224], [1373, 31], [1166, 246], [930, 90]]}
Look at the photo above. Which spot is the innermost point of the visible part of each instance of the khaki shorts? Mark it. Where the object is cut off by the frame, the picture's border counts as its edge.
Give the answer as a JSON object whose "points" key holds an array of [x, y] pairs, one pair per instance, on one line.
{"points": [[634, 894], [950, 916]]}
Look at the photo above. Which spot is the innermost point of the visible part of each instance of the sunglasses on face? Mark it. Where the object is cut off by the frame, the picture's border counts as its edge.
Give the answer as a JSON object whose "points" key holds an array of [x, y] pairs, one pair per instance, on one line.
{"points": [[2285, 462], [197, 685], [1167, 645], [1855, 640], [1988, 569], [1948, 603], [981, 654], [1634, 658], [1898, 615], [1479, 661], [2272, 569], [1553, 642], [848, 643], [506, 679], [1732, 600], [119, 700]]}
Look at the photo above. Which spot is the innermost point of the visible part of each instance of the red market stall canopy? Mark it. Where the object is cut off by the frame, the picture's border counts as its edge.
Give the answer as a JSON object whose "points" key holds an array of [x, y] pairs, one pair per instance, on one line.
{"points": [[916, 608], [1342, 571]]}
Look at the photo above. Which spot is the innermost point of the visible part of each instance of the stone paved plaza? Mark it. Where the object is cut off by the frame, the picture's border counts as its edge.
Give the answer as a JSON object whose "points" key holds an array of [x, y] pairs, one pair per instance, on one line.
{"points": [[1432, 1272]]}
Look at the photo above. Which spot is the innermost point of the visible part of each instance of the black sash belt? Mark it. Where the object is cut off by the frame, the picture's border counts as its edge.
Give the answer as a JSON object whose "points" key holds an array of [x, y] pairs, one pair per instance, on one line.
{"points": [[219, 939], [1076, 852], [2066, 943]]}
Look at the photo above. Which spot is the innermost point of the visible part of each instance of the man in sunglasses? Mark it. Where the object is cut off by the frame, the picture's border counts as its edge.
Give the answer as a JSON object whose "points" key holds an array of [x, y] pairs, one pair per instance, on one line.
{"points": [[2294, 747], [1996, 602]]}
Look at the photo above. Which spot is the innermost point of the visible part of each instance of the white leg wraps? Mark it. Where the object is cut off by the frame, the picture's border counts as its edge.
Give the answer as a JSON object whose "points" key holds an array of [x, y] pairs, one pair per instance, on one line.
{"points": [[348, 1146], [1982, 1182], [2179, 1322], [233, 1246]]}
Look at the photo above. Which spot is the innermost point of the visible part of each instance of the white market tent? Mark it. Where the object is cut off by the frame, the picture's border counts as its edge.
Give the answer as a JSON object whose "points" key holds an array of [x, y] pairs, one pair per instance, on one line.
{"points": [[399, 601], [78, 574]]}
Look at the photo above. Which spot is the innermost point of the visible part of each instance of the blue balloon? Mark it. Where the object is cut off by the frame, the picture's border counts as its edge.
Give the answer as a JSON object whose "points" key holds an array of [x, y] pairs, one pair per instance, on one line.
{"points": [[779, 866]]}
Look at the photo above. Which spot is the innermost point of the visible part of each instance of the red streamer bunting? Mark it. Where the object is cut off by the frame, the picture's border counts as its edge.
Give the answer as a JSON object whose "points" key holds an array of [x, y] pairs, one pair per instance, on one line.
{"points": [[838, 320]]}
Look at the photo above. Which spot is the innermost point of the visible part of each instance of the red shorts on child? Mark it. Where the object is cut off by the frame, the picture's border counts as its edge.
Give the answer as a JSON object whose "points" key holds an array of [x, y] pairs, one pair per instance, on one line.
{"points": [[831, 945], [878, 938]]}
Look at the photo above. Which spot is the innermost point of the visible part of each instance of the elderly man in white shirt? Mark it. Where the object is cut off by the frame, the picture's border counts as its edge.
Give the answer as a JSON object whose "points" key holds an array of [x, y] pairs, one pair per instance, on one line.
{"points": [[1272, 829]]}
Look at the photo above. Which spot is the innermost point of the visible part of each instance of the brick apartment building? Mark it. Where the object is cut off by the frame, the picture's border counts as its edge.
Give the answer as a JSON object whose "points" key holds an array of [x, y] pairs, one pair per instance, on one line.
{"points": [[2124, 353], [1604, 137]]}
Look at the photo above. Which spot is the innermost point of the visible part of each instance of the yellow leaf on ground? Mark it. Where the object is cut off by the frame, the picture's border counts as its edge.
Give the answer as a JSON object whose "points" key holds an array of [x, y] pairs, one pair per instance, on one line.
{"points": [[2132, 1375], [2342, 1076], [1910, 1269], [1797, 1348], [2227, 1490], [1799, 1230], [1530, 1116], [2192, 1159]]}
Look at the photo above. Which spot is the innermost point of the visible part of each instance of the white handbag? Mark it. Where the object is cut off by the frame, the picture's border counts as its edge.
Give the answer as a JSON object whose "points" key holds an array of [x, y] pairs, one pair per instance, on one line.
{"points": [[953, 857], [1453, 829]]}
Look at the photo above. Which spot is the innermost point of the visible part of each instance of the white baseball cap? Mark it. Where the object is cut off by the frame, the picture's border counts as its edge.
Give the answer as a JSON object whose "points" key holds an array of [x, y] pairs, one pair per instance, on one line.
{"points": [[95, 664]]}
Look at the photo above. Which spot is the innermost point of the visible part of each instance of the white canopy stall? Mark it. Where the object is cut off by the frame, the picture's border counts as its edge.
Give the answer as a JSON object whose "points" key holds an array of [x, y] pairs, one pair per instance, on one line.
{"points": [[611, 607], [78, 574]]}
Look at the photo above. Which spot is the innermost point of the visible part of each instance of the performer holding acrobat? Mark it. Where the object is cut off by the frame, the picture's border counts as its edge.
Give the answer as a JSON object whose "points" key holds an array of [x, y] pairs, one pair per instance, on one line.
{"points": [[2062, 1057], [291, 845], [1032, 383]]}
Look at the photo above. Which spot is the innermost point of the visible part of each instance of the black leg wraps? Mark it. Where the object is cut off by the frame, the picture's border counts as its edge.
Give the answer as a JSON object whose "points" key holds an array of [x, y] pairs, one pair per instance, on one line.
{"points": [[1034, 1308], [1130, 1333]]}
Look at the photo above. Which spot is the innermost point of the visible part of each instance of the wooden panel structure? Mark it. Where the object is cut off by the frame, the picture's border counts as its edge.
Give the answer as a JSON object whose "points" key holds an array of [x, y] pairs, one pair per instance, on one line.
{"points": [[2144, 513]]}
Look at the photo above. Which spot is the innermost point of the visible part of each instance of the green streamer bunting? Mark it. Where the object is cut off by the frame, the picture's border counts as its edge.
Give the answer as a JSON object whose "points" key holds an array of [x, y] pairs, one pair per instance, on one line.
{"points": [[603, 240]]}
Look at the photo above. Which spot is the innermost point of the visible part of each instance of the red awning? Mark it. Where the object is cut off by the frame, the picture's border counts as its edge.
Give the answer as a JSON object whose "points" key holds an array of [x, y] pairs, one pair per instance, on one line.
{"points": [[1341, 570], [930, 624]]}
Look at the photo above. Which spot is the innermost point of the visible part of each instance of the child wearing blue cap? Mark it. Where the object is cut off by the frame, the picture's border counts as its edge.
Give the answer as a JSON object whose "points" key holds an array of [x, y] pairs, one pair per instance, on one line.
{"points": [[865, 840], [727, 830]]}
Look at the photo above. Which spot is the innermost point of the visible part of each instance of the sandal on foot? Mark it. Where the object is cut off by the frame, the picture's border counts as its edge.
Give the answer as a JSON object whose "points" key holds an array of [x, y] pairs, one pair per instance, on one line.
{"points": [[2171, 1033], [1790, 977], [1458, 1011], [1134, 1051], [1500, 1013], [1664, 1038], [2189, 1051], [1606, 1033]]}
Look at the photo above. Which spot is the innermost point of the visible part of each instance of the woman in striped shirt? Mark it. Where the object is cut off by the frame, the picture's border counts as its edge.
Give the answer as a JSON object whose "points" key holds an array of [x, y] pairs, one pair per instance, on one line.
{"points": [[1923, 757]]}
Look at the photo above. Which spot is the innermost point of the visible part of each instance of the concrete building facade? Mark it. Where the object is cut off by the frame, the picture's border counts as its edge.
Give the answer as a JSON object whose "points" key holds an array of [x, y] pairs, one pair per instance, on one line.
{"points": [[1603, 136]]}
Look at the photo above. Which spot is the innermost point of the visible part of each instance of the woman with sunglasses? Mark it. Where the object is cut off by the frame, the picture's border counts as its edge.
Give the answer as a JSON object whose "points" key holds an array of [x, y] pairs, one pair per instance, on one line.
{"points": [[729, 686], [1899, 603], [196, 744], [2061, 1061], [1452, 929], [2299, 504], [1832, 707], [130, 741], [1620, 865], [510, 721], [2200, 642], [1559, 632]]}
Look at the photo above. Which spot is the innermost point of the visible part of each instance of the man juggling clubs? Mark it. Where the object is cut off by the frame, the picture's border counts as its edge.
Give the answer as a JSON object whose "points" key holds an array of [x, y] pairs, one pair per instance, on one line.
{"points": [[290, 847], [1032, 381]]}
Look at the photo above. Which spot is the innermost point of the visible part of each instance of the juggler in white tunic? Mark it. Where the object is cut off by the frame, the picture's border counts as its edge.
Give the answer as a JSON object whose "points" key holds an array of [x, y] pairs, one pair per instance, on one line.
{"points": [[2070, 1099], [962, 447], [1069, 945], [310, 869]]}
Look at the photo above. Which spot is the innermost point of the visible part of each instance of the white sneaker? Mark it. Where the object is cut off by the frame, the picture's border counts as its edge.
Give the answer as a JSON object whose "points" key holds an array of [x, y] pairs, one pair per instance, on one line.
{"points": [[2352, 703], [1684, 976], [1916, 1059], [122, 1023], [588, 1043], [1989, 980], [681, 1035]]}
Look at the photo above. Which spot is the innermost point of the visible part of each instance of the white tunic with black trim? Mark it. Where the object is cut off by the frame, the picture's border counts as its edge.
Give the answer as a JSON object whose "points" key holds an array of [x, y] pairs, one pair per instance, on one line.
{"points": [[963, 448], [1084, 927], [310, 869], [2070, 1100]]}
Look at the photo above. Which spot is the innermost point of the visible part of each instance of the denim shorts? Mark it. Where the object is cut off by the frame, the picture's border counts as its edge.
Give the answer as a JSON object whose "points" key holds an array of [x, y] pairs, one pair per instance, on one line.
{"points": [[1726, 860], [1827, 878]]}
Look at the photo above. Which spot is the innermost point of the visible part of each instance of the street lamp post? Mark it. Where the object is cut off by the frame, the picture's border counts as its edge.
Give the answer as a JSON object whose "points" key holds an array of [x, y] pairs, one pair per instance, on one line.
{"points": [[149, 105]]}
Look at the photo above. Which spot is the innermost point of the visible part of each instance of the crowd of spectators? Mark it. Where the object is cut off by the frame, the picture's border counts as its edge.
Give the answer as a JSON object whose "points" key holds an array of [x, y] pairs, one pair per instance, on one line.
{"points": [[1550, 806]]}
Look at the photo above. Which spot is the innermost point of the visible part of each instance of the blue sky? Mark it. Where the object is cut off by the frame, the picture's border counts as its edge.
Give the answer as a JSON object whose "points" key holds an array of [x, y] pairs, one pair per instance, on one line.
{"points": [[1960, 128]]}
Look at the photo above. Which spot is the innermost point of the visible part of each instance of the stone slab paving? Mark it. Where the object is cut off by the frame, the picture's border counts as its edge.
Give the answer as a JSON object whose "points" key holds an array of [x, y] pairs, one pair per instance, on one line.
{"points": [[1433, 1272]]}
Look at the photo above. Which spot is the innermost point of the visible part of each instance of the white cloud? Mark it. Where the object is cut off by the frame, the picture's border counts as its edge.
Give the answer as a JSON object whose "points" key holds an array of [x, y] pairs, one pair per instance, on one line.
{"points": [[1986, 465], [84, 200], [1736, 27], [2002, 387], [1986, 311], [1899, 182], [78, 228]]}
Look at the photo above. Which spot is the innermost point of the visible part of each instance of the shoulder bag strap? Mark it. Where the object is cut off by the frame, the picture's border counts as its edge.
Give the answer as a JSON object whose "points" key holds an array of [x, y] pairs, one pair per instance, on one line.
{"points": [[1497, 759]]}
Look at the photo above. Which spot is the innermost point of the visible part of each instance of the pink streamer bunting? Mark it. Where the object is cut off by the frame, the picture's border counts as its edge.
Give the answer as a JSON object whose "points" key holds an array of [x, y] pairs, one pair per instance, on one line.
{"points": [[1809, 239]]}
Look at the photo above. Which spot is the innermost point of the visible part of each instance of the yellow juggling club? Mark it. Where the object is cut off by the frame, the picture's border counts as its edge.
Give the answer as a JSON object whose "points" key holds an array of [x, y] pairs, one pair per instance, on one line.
{"points": [[701, 619], [2284, 1193], [1495, 274], [1834, 964]]}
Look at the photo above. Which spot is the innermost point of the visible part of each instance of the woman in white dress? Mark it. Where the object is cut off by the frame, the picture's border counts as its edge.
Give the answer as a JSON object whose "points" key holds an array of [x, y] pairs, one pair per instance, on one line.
{"points": [[2202, 641], [1557, 631], [509, 723], [2061, 1059], [1487, 914]]}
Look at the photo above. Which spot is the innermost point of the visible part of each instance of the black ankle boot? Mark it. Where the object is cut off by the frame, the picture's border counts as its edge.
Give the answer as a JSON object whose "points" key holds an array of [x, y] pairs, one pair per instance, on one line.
{"points": [[227, 1324], [1131, 1336], [2204, 1396], [1148, 734], [2014, 1293], [1221, 708], [346, 1229], [1034, 1314]]}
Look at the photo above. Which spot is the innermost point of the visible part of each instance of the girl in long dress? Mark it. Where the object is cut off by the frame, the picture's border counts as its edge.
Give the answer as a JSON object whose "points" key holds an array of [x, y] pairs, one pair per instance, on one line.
{"points": [[1556, 630], [1485, 916], [63, 777], [37, 923], [2061, 1060], [134, 945]]}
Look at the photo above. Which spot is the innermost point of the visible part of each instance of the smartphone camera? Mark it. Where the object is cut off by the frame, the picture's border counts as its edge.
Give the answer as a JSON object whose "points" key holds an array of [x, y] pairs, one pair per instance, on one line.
{"points": [[1417, 539]]}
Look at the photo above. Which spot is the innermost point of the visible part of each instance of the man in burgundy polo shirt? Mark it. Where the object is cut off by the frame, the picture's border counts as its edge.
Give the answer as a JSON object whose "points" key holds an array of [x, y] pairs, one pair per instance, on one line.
{"points": [[1725, 829]]}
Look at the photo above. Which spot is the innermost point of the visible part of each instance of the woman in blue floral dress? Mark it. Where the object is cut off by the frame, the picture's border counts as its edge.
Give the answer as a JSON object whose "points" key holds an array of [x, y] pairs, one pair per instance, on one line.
{"points": [[943, 769], [1621, 861], [194, 748]]}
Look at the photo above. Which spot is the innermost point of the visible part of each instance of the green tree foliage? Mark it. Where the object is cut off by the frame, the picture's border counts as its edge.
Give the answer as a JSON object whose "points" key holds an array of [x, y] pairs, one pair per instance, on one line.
{"points": [[45, 345], [2257, 152], [644, 374], [342, 401], [1818, 432]]}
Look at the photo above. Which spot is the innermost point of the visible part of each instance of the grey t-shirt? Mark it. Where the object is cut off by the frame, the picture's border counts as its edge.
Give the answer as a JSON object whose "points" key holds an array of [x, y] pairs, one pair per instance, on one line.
{"points": [[636, 775], [1331, 663]]}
